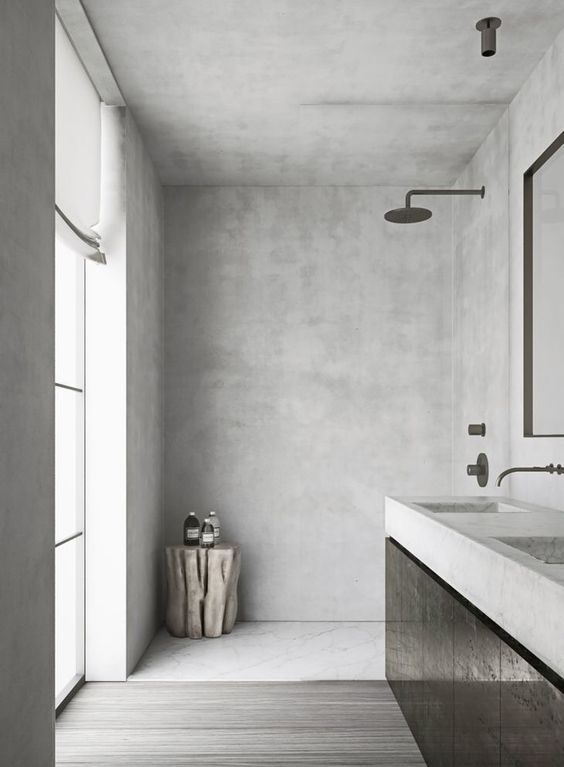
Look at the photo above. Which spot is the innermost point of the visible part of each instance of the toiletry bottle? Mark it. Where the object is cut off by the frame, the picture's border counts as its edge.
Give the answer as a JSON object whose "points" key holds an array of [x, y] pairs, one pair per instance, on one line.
{"points": [[191, 530], [216, 526], [207, 535]]}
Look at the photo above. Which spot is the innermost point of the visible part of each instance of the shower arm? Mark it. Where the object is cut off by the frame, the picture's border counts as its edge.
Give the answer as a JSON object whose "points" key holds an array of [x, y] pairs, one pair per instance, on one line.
{"points": [[450, 192]]}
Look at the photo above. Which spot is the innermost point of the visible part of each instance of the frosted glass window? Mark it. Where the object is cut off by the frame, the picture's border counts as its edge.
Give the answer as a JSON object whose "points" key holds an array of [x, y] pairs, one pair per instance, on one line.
{"points": [[69, 615], [69, 463], [69, 316]]}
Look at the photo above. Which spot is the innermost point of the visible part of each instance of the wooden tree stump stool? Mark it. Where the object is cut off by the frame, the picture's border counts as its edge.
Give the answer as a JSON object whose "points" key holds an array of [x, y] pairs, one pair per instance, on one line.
{"points": [[202, 590]]}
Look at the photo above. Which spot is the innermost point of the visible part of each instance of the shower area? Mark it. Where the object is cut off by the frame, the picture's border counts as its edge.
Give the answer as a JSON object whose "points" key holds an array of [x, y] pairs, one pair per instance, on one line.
{"points": [[307, 375]]}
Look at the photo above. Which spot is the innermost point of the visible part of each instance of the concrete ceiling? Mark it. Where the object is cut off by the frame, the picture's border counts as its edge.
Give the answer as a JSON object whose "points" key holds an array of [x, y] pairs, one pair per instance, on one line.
{"points": [[355, 92]]}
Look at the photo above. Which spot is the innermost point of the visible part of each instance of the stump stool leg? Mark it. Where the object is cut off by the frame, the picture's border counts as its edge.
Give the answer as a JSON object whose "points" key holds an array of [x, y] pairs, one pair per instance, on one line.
{"points": [[219, 566], [175, 617], [186, 573], [231, 603], [196, 589]]}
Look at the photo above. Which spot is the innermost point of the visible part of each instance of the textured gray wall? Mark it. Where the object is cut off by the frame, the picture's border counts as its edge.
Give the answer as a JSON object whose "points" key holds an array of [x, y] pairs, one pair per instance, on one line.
{"points": [[307, 373], [27, 142], [144, 395], [480, 326], [488, 343]]}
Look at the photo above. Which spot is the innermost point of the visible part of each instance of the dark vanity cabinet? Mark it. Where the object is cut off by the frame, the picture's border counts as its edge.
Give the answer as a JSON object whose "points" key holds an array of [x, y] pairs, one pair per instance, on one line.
{"points": [[466, 690]]}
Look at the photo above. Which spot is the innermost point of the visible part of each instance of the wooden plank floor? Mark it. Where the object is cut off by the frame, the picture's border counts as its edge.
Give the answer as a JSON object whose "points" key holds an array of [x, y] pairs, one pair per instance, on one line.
{"points": [[240, 724]]}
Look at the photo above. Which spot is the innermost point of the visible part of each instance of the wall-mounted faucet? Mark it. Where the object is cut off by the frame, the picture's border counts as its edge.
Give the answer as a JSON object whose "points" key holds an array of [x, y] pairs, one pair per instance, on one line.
{"points": [[550, 469]]}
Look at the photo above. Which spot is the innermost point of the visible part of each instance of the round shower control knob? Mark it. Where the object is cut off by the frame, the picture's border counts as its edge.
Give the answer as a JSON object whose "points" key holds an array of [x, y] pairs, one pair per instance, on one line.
{"points": [[480, 469]]}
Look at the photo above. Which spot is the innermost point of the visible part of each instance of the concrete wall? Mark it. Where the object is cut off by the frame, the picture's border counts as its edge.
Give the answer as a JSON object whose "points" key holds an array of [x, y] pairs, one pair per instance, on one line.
{"points": [[307, 374], [480, 313], [144, 235], [27, 142], [490, 243]]}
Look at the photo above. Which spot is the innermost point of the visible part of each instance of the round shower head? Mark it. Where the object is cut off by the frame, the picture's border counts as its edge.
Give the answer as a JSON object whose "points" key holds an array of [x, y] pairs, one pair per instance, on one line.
{"points": [[407, 215]]}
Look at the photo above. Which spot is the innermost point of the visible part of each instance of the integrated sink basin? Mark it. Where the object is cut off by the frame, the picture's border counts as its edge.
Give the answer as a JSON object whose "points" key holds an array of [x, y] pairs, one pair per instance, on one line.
{"points": [[468, 507], [546, 549]]}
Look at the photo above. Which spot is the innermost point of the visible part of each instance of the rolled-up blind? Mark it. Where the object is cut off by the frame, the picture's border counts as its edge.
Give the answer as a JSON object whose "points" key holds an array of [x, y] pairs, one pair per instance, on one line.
{"points": [[77, 155]]}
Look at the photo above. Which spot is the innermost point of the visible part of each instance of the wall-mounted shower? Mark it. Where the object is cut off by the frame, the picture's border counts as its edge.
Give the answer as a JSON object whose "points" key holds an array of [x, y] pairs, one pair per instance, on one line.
{"points": [[410, 215]]}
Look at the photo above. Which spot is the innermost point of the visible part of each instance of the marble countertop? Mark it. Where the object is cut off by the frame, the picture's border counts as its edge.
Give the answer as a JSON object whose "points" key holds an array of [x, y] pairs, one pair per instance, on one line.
{"points": [[521, 593]]}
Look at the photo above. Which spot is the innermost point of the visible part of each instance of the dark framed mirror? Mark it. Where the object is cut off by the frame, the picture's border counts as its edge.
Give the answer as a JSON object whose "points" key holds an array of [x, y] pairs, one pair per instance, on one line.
{"points": [[543, 190]]}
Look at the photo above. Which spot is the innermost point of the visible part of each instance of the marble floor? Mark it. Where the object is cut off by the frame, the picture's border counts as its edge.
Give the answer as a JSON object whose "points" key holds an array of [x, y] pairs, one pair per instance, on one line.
{"points": [[269, 651]]}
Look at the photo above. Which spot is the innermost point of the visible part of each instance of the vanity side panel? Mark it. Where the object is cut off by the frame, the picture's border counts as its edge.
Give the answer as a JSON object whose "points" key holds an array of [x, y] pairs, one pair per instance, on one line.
{"points": [[413, 582], [419, 654], [437, 739], [405, 583], [394, 671]]}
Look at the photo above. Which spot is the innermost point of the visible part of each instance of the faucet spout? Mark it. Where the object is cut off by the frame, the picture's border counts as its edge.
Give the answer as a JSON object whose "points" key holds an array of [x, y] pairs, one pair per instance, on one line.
{"points": [[549, 469]]}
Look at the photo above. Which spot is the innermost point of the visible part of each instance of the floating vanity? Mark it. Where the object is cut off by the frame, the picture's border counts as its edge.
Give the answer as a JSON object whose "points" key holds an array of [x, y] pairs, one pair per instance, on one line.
{"points": [[475, 628]]}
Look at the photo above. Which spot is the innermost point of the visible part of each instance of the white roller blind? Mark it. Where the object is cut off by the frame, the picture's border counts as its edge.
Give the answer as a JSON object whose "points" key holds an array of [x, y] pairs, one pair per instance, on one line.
{"points": [[77, 115]]}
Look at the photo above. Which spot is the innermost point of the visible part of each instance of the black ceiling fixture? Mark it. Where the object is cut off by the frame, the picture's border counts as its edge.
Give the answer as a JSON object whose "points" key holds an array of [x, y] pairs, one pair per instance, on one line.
{"points": [[488, 29]]}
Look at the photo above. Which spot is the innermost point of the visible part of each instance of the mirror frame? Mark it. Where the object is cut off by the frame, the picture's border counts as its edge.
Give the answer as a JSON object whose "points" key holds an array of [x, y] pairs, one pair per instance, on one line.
{"points": [[528, 263]]}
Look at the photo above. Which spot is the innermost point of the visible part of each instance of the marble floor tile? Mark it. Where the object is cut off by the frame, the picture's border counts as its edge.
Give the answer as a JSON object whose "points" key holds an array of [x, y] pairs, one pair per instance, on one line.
{"points": [[269, 651]]}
